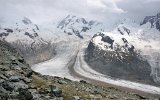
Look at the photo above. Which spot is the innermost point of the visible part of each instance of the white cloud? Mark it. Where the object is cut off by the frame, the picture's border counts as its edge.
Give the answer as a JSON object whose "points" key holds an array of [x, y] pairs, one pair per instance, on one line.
{"points": [[106, 5], [104, 10], [148, 1]]}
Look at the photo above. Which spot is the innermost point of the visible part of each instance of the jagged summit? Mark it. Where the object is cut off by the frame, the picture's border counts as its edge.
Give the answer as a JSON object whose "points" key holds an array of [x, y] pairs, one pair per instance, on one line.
{"points": [[76, 25], [27, 38], [153, 20], [26, 21]]}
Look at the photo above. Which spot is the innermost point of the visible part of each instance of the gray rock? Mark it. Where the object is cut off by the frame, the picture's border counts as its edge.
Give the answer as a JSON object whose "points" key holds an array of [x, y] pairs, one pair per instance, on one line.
{"points": [[60, 98], [14, 62], [2, 90], [75, 98], [35, 94], [13, 95], [62, 82], [21, 60], [19, 85], [88, 90], [3, 77], [29, 72], [24, 94], [14, 79], [8, 86], [4, 68], [1, 81], [10, 73], [82, 81], [15, 67], [94, 97], [113, 96], [97, 90], [3, 96], [12, 58], [27, 80], [56, 91]]}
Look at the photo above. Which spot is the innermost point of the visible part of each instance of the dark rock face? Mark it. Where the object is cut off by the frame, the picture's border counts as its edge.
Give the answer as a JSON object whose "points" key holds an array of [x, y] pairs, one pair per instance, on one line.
{"points": [[6, 33], [8, 30], [108, 40], [24, 94], [56, 91], [26, 21], [35, 52], [119, 64], [31, 36], [124, 30], [3, 34], [153, 20]]}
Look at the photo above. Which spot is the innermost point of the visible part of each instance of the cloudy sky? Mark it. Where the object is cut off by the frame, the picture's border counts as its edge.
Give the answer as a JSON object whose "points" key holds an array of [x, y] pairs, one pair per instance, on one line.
{"points": [[41, 11]]}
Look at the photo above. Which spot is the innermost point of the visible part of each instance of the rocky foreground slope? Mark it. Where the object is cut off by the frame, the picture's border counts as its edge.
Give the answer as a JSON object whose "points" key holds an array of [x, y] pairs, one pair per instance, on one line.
{"points": [[19, 82]]}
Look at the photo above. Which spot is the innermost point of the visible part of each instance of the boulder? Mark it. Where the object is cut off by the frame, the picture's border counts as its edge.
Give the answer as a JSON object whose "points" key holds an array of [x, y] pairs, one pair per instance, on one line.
{"points": [[56, 91], [7, 85], [75, 98], [93, 97], [24, 94], [82, 81], [14, 79], [61, 82]]}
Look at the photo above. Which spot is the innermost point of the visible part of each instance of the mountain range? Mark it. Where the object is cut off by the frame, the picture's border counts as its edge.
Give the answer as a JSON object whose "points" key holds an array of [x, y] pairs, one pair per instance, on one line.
{"points": [[131, 51]]}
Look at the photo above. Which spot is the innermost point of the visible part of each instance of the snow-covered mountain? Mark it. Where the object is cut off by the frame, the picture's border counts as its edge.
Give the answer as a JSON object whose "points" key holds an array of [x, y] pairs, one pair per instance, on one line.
{"points": [[153, 20], [129, 52], [20, 30], [134, 48], [39, 42], [27, 38], [73, 25]]}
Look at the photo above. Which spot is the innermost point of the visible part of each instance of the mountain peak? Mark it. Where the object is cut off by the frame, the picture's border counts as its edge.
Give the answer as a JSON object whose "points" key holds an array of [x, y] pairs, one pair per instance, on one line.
{"points": [[26, 21], [77, 25], [153, 20]]}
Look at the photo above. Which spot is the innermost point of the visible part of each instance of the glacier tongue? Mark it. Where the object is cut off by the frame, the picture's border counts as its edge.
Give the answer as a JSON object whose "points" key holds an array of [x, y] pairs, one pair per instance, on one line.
{"points": [[57, 66]]}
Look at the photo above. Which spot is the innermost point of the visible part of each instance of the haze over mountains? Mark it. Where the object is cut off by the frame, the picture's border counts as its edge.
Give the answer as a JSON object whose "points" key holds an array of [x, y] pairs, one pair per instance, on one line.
{"points": [[37, 43], [97, 41]]}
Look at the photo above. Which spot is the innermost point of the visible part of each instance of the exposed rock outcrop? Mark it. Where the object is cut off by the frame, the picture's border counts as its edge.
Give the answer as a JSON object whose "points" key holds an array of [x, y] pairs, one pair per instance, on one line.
{"points": [[153, 20], [115, 56]]}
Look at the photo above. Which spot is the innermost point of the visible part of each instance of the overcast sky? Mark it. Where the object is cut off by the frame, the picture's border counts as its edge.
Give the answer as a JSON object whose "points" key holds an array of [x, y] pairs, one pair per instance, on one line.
{"points": [[40, 11]]}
